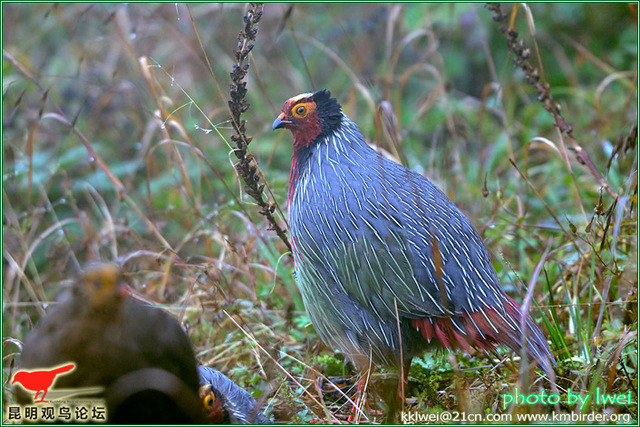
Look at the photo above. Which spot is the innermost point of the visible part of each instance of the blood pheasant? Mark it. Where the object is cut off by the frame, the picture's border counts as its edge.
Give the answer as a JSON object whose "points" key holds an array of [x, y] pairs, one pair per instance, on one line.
{"points": [[225, 402], [385, 262]]}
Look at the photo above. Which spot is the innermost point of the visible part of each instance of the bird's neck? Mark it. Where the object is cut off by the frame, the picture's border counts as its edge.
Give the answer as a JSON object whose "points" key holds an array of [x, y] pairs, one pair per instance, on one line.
{"points": [[344, 144], [299, 162], [307, 135]]}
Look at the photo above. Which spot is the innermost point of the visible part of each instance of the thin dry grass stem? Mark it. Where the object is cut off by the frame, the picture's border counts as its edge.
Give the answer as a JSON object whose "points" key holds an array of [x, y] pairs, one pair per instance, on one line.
{"points": [[32, 131], [404, 42], [598, 62], [526, 304], [483, 107], [262, 84], [246, 165], [318, 390], [619, 216], [615, 358], [623, 145], [344, 66], [539, 196], [387, 124], [109, 231], [287, 19], [270, 356], [163, 117], [533, 77], [621, 75], [565, 159], [431, 99], [403, 367], [142, 253], [200, 156], [395, 14], [31, 289], [61, 117], [30, 242], [362, 398]]}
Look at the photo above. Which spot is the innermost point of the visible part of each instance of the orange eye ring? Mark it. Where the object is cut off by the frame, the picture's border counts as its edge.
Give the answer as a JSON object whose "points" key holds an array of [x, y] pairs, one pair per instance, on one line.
{"points": [[300, 111], [209, 400]]}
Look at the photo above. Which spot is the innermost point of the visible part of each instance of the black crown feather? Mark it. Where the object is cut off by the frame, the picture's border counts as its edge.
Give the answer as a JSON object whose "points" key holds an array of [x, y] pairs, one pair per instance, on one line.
{"points": [[329, 111]]}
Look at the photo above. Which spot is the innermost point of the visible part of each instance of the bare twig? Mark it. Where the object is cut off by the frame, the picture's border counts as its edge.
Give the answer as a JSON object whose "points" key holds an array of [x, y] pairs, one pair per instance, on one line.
{"points": [[246, 165], [533, 77]]}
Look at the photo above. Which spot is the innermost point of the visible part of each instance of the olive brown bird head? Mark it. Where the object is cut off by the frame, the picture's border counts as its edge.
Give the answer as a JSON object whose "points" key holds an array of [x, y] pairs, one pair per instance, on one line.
{"points": [[386, 264], [100, 285]]}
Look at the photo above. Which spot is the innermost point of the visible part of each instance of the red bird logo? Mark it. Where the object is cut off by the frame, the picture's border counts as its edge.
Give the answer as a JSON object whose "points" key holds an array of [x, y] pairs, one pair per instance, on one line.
{"points": [[40, 381]]}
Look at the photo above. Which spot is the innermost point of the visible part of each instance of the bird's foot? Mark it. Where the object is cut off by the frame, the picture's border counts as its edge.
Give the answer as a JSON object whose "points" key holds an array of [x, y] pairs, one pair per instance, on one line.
{"points": [[362, 411]]}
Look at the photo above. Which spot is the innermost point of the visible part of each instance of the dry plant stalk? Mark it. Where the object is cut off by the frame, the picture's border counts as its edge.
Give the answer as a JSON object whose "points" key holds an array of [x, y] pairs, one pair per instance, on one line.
{"points": [[246, 165], [532, 74]]}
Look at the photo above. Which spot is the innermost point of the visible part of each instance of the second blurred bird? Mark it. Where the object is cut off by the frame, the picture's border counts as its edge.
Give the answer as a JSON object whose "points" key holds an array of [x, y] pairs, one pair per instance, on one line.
{"points": [[227, 403], [138, 353]]}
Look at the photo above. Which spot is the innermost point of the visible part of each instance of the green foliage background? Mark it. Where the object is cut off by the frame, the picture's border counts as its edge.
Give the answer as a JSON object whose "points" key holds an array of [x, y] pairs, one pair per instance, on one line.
{"points": [[146, 85]]}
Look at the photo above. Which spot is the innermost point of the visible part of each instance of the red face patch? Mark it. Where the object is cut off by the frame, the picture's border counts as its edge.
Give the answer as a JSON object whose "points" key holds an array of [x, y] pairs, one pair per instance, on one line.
{"points": [[299, 115]]}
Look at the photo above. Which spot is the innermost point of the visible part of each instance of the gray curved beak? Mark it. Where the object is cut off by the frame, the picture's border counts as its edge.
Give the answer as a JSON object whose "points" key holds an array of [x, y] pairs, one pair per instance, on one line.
{"points": [[278, 123]]}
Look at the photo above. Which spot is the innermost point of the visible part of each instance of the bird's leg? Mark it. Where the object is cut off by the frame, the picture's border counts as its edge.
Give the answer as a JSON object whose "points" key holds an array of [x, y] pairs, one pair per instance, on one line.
{"points": [[360, 398]]}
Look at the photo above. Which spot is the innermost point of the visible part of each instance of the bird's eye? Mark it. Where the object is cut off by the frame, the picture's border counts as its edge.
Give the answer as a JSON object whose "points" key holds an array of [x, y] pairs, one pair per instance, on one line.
{"points": [[209, 400], [300, 111]]}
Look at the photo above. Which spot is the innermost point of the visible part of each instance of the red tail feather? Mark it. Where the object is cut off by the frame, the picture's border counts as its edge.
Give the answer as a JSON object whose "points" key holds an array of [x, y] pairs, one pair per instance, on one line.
{"points": [[486, 329]]}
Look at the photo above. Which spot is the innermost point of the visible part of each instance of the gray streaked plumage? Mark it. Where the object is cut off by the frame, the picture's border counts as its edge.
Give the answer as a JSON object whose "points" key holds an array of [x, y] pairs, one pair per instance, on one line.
{"points": [[238, 405], [369, 234]]}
